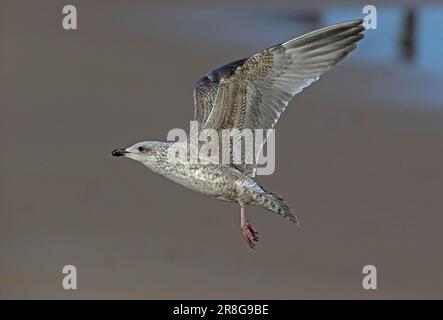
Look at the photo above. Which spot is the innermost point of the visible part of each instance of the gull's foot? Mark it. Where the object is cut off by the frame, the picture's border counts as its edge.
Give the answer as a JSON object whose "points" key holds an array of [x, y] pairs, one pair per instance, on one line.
{"points": [[251, 236]]}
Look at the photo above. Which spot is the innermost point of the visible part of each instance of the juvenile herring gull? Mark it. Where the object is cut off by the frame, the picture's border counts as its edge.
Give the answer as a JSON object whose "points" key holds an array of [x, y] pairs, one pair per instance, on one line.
{"points": [[250, 93]]}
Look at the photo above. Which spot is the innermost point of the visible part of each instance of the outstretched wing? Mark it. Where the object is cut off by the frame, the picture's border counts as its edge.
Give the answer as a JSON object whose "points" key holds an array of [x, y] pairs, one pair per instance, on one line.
{"points": [[252, 93], [205, 90]]}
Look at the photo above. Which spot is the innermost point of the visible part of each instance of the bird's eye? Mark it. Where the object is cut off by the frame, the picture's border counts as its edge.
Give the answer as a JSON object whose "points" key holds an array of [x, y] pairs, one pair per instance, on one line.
{"points": [[141, 149]]}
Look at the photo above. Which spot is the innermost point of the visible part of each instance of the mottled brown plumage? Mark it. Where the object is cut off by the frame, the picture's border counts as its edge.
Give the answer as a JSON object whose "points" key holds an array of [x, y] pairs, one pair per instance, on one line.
{"points": [[250, 93]]}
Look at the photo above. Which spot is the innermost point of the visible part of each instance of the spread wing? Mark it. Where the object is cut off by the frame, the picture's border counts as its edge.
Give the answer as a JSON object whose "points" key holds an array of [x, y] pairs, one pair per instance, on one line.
{"points": [[206, 88], [253, 93]]}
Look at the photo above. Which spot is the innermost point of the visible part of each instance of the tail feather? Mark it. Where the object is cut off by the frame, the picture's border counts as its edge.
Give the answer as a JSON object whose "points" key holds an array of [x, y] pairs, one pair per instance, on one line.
{"points": [[275, 203]]}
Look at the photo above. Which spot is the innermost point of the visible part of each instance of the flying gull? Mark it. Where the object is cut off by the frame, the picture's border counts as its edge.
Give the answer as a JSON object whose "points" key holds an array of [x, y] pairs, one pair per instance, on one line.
{"points": [[250, 93]]}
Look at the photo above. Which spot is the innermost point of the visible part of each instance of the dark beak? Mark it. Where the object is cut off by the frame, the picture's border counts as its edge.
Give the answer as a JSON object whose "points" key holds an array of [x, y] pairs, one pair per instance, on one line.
{"points": [[119, 152]]}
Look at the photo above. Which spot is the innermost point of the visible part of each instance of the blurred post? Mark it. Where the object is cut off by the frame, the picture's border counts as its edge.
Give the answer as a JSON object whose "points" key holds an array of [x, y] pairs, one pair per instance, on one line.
{"points": [[407, 38]]}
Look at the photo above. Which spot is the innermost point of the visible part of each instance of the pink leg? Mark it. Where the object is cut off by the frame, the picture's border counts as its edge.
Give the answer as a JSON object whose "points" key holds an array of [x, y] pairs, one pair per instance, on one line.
{"points": [[248, 231]]}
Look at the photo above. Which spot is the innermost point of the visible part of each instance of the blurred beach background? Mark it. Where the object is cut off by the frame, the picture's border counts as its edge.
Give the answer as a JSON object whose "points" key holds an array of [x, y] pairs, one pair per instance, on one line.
{"points": [[359, 154]]}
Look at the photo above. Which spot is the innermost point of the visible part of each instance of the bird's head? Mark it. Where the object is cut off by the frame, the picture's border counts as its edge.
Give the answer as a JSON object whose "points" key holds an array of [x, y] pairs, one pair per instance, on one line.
{"points": [[145, 152]]}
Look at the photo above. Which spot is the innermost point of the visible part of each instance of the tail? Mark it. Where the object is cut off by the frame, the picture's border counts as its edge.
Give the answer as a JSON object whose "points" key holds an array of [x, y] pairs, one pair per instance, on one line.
{"points": [[275, 203]]}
